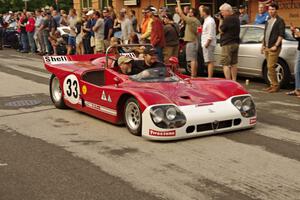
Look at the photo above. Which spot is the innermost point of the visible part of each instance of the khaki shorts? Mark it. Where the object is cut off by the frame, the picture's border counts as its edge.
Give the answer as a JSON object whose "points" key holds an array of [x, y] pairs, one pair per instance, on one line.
{"points": [[99, 45], [229, 55], [208, 53], [191, 51]]}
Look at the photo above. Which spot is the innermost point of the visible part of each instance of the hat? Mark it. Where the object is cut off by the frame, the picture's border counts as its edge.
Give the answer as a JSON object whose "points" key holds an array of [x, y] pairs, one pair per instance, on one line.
{"points": [[154, 11], [10, 12], [90, 12], [242, 6], [105, 10], [150, 51], [124, 59]]}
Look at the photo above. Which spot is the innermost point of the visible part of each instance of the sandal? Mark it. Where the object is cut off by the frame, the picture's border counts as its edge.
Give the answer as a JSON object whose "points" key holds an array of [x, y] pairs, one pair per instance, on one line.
{"points": [[292, 93]]}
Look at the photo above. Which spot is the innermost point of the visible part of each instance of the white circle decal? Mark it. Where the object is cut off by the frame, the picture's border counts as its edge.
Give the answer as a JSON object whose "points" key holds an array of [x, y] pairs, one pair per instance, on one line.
{"points": [[71, 89]]}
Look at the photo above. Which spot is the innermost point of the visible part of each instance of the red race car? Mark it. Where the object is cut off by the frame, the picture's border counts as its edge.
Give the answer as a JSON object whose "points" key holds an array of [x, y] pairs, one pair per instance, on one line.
{"points": [[163, 105]]}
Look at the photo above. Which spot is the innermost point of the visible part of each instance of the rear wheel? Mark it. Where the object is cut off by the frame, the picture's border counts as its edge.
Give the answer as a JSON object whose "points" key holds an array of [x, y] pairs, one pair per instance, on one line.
{"points": [[133, 116], [282, 72], [56, 93]]}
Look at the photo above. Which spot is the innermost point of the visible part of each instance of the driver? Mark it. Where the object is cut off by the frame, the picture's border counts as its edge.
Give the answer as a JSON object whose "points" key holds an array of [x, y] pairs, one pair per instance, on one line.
{"points": [[126, 66], [150, 58], [129, 66]]}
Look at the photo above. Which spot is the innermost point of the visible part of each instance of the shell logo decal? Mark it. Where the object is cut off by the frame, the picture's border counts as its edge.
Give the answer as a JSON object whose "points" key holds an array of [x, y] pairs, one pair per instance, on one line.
{"points": [[84, 89]]}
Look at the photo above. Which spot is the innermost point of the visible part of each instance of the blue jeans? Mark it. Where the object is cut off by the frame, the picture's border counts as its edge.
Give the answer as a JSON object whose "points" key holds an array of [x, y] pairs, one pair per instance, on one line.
{"points": [[159, 53], [31, 41], [46, 41], [1, 37], [24, 40], [297, 72]]}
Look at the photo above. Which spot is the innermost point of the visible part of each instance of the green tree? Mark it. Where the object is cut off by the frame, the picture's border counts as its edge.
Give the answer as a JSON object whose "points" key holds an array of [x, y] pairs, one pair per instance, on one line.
{"points": [[18, 5]]}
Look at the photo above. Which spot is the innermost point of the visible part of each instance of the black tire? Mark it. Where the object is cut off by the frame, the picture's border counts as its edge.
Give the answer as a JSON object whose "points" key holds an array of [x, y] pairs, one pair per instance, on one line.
{"points": [[284, 75], [56, 98], [133, 116]]}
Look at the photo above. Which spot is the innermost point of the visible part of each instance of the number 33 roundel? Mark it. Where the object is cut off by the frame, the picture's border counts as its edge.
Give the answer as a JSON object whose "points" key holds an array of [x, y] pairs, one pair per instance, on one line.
{"points": [[71, 89]]}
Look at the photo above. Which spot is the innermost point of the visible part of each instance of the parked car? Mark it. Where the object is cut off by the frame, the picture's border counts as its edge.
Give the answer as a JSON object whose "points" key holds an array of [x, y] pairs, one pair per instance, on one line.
{"points": [[11, 38], [253, 63], [163, 105]]}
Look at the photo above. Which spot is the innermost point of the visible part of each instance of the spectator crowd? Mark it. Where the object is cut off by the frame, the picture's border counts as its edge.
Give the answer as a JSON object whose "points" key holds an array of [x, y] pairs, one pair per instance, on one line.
{"points": [[52, 32]]}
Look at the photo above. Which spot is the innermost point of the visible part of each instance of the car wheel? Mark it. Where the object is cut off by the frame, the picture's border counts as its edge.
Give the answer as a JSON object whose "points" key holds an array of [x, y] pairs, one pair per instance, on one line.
{"points": [[282, 72], [133, 116], [56, 93]]}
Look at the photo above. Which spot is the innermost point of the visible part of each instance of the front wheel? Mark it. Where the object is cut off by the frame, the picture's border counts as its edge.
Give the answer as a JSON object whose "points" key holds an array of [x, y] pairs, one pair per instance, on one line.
{"points": [[133, 116], [282, 73], [56, 93]]}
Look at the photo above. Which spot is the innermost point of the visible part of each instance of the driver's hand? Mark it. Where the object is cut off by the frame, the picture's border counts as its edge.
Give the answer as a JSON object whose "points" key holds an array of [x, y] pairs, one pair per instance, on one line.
{"points": [[145, 74]]}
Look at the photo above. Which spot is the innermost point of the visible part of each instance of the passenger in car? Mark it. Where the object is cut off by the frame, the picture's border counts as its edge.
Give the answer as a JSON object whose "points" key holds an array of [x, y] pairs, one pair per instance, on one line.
{"points": [[130, 66]]}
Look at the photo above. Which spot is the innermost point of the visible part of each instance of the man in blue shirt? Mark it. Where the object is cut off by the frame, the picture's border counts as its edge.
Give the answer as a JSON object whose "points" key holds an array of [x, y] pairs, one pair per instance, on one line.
{"points": [[108, 27], [262, 16]]}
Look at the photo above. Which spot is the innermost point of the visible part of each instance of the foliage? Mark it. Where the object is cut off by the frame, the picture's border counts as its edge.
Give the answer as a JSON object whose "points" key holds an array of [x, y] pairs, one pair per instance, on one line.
{"points": [[18, 5]]}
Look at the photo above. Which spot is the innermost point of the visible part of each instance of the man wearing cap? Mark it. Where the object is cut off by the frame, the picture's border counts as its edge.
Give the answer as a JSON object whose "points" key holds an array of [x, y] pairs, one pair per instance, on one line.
{"points": [[244, 18], [136, 66], [126, 66]]}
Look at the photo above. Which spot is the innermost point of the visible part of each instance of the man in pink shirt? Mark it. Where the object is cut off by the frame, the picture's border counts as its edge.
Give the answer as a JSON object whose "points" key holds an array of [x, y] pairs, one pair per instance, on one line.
{"points": [[30, 28]]}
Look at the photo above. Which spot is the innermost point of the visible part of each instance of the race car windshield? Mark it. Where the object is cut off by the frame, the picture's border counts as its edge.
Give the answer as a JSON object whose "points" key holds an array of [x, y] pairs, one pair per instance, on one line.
{"points": [[159, 74]]}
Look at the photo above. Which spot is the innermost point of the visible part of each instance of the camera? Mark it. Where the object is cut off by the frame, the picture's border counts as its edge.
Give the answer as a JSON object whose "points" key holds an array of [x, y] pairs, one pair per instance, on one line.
{"points": [[218, 16]]}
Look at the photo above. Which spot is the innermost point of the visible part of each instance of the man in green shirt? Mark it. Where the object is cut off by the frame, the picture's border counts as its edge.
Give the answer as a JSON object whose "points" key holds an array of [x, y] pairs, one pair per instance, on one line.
{"points": [[190, 36]]}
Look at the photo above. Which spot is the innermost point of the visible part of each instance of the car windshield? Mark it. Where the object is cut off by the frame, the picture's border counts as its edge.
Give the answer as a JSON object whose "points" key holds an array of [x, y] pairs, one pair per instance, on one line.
{"points": [[159, 74]]}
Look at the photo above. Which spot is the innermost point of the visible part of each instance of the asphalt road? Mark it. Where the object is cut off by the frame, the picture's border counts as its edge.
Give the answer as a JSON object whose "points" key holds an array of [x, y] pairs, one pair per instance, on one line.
{"points": [[46, 153]]}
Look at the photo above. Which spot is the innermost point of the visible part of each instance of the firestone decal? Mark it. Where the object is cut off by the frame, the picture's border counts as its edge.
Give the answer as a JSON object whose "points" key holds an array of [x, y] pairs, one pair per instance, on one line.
{"points": [[71, 89], [162, 133], [253, 121]]}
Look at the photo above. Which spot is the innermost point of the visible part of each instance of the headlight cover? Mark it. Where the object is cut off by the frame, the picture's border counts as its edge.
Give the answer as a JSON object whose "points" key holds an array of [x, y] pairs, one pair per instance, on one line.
{"points": [[245, 105], [167, 116]]}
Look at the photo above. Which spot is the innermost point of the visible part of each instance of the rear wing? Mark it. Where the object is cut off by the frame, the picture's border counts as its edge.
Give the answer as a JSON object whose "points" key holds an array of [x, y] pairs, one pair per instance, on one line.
{"points": [[67, 59]]}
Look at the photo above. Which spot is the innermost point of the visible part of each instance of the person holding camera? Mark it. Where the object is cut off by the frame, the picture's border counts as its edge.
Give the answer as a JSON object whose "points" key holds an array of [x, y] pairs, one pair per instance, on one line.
{"points": [[229, 28]]}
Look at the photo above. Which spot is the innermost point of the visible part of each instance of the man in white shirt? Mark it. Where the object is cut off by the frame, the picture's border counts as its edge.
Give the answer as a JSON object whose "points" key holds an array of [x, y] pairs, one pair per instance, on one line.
{"points": [[126, 27], [208, 39]]}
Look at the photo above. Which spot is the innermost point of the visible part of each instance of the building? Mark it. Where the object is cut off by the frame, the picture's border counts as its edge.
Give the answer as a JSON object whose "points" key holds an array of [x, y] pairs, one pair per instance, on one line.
{"points": [[137, 5], [289, 9]]}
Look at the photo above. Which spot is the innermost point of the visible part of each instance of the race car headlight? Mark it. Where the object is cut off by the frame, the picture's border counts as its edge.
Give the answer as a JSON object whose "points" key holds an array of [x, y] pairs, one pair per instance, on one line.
{"points": [[238, 104], [171, 113], [158, 115], [245, 105], [167, 116]]}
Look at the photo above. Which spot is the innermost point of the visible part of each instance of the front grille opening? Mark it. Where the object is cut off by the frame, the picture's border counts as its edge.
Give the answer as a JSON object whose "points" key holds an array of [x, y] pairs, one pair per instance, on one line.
{"points": [[190, 129], [216, 125], [225, 124], [204, 127], [237, 122]]}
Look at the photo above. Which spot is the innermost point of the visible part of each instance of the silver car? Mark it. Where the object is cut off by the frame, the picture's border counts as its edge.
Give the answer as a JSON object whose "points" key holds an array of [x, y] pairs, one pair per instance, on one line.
{"points": [[252, 63]]}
